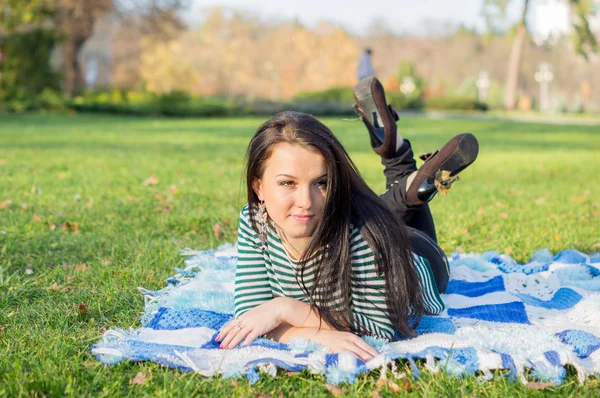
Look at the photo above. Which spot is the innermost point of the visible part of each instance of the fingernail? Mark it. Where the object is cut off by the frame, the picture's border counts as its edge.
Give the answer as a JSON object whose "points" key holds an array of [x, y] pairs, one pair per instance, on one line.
{"points": [[218, 338], [221, 346]]}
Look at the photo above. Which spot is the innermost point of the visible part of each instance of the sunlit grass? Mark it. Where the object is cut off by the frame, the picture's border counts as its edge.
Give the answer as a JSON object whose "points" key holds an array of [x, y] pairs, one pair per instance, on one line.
{"points": [[78, 226]]}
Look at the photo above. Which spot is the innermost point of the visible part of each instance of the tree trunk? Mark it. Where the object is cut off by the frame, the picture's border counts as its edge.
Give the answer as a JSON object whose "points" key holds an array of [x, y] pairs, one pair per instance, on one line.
{"points": [[514, 63], [73, 78]]}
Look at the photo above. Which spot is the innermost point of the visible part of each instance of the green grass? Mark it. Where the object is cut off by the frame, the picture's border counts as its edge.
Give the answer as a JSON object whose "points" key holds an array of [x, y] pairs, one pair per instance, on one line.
{"points": [[533, 186]]}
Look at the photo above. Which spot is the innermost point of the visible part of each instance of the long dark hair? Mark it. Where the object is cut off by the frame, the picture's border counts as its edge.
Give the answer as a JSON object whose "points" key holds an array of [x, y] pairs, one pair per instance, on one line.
{"points": [[349, 201]]}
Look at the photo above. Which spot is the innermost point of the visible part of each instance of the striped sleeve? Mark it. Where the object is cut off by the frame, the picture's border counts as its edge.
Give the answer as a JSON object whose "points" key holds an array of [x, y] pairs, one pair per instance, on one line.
{"points": [[251, 277], [431, 297], [370, 310]]}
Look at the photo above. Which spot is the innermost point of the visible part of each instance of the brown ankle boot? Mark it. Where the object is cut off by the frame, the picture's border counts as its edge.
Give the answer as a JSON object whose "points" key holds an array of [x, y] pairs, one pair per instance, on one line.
{"points": [[378, 117], [440, 169]]}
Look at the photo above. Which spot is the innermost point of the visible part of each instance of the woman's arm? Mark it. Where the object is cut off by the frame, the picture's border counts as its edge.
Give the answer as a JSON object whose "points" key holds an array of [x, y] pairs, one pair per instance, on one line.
{"points": [[334, 340]]}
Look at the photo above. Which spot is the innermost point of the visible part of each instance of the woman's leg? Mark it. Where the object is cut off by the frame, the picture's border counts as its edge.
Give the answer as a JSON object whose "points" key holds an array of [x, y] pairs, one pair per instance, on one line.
{"points": [[397, 171]]}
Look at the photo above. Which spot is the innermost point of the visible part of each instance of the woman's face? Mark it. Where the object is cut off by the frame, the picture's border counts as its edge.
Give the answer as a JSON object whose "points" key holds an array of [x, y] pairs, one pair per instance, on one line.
{"points": [[293, 187]]}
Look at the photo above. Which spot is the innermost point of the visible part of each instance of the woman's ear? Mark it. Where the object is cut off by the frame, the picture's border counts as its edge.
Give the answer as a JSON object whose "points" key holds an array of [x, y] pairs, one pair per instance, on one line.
{"points": [[257, 188]]}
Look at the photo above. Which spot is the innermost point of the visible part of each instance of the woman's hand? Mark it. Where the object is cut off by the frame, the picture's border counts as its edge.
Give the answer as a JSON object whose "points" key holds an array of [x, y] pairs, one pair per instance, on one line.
{"points": [[338, 341], [252, 324]]}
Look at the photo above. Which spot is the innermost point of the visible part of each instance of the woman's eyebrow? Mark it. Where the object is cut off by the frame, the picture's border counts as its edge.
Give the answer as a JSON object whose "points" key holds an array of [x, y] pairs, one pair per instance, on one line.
{"points": [[291, 176]]}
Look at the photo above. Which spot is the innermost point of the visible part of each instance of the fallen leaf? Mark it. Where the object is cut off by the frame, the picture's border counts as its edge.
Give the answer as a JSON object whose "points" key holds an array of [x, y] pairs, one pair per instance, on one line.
{"points": [[53, 287], [508, 250], [10, 314], [51, 225], [233, 383], [291, 373], [71, 226], [159, 197], [407, 385], [538, 385], [335, 390], [504, 215], [267, 395], [36, 217], [82, 309], [5, 203], [70, 278], [499, 205], [557, 237], [596, 246], [375, 394], [217, 230], [596, 213], [106, 261], [165, 207], [459, 249], [152, 180], [580, 199], [540, 201], [393, 386], [139, 379], [3, 162], [587, 192], [2, 329], [481, 211], [24, 206], [90, 203], [81, 267], [174, 190], [381, 382]]}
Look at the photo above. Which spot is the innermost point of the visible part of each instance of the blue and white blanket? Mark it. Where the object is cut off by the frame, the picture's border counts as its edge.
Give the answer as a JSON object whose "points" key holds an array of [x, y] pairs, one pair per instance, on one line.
{"points": [[539, 316]]}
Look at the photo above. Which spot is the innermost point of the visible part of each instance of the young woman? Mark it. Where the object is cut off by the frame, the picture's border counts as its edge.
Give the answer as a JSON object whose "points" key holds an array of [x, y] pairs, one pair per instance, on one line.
{"points": [[320, 255]]}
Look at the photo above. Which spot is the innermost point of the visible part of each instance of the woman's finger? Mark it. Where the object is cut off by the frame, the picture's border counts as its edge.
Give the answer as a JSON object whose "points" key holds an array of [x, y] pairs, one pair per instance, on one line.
{"points": [[367, 347], [238, 337], [230, 336], [250, 338]]}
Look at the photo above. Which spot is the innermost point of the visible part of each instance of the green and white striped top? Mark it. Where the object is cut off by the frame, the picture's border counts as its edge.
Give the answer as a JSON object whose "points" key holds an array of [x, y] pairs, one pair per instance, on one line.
{"points": [[262, 274]]}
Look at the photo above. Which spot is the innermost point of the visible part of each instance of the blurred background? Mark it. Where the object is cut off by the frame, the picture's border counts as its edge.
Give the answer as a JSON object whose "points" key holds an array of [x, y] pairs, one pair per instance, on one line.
{"points": [[227, 57]]}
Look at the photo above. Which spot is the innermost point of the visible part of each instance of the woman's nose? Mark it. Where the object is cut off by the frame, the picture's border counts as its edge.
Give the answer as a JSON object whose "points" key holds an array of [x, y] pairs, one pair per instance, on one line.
{"points": [[303, 197]]}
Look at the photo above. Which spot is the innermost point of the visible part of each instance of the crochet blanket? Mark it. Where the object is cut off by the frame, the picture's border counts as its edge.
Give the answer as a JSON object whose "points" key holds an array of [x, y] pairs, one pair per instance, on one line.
{"points": [[538, 316]]}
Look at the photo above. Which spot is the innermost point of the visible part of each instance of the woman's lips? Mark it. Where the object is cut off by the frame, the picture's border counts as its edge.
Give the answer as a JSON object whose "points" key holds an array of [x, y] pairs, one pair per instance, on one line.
{"points": [[300, 218]]}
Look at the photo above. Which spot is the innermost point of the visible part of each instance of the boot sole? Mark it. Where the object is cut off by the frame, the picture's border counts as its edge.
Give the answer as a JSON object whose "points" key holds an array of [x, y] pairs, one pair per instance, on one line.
{"points": [[465, 153]]}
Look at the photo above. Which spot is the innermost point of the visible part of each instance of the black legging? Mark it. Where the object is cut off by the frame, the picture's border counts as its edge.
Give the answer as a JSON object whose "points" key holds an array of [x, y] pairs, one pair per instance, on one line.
{"points": [[420, 226]]}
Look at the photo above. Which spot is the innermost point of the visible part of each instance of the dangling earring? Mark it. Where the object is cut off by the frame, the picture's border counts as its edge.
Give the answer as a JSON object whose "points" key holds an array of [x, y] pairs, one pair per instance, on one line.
{"points": [[261, 222]]}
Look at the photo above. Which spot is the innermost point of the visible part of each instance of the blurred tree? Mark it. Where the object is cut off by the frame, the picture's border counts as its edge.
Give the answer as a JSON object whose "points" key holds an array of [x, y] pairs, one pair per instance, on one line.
{"points": [[583, 38], [73, 23]]}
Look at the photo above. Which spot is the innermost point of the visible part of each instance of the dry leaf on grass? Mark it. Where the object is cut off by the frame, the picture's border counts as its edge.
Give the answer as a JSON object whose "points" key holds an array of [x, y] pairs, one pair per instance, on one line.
{"points": [[36, 217], [481, 211], [557, 237], [335, 390], [508, 250], [71, 226], [375, 394], [504, 215], [174, 190], [5, 203], [158, 197], [217, 230], [393, 386], [596, 245], [139, 379], [2, 162], [82, 309], [152, 180], [580, 199], [133, 198], [539, 386], [407, 385], [233, 383], [53, 287], [10, 314], [80, 267], [540, 201], [2, 329]]}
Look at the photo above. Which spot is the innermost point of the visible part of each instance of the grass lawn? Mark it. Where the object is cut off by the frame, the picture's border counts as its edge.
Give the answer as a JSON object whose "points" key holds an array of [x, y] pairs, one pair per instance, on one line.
{"points": [[79, 231]]}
